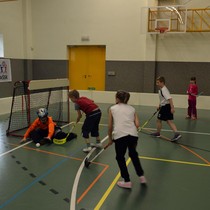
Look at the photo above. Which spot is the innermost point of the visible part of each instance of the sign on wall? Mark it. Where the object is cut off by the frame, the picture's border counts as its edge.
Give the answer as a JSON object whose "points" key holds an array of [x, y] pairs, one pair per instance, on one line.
{"points": [[5, 70]]}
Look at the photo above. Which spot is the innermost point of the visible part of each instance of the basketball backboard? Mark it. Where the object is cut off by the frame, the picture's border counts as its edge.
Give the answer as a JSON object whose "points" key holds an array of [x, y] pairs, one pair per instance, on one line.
{"points": [[170, 17]]}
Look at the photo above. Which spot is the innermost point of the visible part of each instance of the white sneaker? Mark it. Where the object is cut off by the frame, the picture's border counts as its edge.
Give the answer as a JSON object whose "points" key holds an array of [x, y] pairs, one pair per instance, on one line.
{"points": [[87, 149], [98, 145], [123, 184], [176, 137]]}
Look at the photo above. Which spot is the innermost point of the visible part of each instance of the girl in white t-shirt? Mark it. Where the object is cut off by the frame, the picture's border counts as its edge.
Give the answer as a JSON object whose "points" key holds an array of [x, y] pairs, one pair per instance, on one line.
{"points": [[122, 130]]}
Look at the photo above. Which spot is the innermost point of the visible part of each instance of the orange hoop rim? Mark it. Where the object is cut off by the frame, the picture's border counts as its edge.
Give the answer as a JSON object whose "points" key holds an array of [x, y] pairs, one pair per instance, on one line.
{"points": [[162, 30]]}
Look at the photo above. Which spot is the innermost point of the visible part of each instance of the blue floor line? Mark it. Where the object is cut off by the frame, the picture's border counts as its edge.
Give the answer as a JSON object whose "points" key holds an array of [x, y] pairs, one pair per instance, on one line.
{"points": [[35, 181]]}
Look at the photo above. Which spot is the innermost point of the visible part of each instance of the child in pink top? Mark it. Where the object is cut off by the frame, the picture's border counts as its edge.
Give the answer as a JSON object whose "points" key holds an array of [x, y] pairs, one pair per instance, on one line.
{"points": [[192, 91]]}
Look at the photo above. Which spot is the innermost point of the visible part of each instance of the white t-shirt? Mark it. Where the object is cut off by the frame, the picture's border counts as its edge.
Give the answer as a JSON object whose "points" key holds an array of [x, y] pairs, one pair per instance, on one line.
{"points": [[164, 96], [123, 120]]}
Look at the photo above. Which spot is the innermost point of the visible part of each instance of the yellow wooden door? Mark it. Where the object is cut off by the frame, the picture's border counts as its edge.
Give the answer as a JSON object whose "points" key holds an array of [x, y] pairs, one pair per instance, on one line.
{"points": [[87, 67]]}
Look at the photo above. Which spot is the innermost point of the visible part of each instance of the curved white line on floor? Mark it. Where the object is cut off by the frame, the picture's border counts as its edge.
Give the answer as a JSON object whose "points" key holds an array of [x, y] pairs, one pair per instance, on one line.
{"points": [[76, 180]]}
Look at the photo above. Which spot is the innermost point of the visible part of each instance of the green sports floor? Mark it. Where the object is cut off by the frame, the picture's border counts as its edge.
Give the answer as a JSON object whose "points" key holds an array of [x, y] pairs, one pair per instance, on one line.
{"points": [[53, 177]]}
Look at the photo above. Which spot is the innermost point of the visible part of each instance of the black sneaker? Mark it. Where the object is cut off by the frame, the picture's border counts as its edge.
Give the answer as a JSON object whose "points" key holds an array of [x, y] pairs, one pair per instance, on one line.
{"points": [[156, 134], [176, 137]]}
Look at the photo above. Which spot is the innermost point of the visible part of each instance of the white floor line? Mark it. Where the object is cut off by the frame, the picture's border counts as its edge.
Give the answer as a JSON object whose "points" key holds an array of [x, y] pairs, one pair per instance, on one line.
{"points": [[190, 132], [197, 133], [77, 178], [22, 145]]}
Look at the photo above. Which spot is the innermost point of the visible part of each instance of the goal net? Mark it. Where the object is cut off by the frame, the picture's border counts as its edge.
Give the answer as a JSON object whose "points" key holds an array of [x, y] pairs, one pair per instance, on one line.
{"points": [[29, 96]]}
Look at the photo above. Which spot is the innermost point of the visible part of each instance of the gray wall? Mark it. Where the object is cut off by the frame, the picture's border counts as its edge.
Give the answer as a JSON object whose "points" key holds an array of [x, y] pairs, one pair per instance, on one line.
{"points": [[50, 69], [141, 76], [178, 74], [134, 76]]}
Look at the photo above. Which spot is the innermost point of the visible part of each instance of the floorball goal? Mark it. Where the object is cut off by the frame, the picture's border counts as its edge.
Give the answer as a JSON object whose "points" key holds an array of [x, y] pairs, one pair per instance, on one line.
{"points": [[29, 96]]}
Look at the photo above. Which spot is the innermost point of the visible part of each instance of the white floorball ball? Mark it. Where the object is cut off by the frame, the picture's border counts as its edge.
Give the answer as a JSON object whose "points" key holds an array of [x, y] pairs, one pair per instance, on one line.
{"points": [[37, 144]]}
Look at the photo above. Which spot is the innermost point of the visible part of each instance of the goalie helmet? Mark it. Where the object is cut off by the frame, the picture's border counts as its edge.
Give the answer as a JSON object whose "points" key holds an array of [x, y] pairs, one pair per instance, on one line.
{"points": [[42, 112]]}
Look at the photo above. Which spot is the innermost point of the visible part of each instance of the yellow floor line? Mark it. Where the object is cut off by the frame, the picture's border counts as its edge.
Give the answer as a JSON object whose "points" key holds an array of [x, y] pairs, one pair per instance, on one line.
{"points": [[100, 203], [175, 161]]}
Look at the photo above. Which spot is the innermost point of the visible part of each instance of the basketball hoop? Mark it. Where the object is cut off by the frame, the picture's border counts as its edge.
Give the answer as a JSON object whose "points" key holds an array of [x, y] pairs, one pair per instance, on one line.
{"points": [[162, 31]]}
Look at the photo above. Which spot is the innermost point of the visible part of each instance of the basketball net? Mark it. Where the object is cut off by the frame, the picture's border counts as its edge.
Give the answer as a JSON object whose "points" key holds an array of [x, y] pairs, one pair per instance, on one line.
{"points": [[162, 31]]}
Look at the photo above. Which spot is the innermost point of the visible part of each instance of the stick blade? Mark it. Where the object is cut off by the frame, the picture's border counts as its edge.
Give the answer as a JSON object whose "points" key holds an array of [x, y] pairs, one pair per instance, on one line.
{"points": [[87, 163]]}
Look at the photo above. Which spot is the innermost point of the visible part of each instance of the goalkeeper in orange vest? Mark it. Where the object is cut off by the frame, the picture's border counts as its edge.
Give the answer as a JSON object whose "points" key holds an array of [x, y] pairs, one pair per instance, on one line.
{"points": [[42, 129]]}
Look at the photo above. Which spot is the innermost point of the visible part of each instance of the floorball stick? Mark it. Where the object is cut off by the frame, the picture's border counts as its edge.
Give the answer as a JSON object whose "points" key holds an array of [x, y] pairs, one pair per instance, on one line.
{"points": [[199, 94], [140, 128], [88, 162], [63, 140], [74, 125]]}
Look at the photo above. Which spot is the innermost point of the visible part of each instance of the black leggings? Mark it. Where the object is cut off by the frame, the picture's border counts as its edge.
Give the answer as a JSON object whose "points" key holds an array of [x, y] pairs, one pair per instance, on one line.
{"points": [[121, 146], [38, 134]]}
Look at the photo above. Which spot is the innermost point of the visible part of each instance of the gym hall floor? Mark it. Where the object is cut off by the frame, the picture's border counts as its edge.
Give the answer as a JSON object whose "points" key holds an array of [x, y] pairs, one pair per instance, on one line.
{"points": [[178, 174]]}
